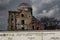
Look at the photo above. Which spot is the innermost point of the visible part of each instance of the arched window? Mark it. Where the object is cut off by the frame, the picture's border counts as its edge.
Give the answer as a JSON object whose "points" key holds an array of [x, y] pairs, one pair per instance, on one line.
{"points": [[22, 15]]}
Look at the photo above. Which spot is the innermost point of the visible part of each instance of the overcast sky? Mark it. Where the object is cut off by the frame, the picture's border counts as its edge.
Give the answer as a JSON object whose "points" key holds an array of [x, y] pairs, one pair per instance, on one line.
{"points": [[49, 8]]}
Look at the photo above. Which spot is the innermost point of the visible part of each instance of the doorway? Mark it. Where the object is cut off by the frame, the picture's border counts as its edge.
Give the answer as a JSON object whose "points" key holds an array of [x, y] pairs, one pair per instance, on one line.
{"points": [[22, 28], [37, 28]]}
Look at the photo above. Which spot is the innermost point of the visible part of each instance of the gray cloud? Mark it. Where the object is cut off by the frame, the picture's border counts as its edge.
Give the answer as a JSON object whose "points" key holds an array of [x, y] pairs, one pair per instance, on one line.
{"points": [[4, 4], [48, 8]]}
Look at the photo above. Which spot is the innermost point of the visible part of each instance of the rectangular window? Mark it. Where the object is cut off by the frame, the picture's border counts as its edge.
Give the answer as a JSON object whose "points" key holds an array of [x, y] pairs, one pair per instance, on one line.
{"points": [[12, 27], [33, 27], [22, 21]]}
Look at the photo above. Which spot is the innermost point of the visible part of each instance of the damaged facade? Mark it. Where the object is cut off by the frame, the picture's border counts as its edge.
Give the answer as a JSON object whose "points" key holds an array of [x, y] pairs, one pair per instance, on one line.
{"points": [[23, 19]]}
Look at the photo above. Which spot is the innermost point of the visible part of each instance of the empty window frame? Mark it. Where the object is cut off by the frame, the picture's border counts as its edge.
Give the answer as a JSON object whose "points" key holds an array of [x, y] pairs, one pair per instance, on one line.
{"points": [[22, 15], [22, 21]]}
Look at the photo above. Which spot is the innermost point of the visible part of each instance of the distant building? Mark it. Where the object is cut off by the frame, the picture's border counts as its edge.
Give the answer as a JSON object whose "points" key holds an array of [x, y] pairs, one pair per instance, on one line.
{"points": [[23, 19], [37, 25]]}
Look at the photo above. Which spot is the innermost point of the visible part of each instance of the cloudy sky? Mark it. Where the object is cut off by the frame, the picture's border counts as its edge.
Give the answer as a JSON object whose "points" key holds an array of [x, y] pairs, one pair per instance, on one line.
{"points": [[41, 8]]}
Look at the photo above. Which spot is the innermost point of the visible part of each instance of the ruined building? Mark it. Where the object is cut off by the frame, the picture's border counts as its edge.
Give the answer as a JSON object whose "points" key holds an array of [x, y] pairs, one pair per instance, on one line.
{"points": [[23, 19]]}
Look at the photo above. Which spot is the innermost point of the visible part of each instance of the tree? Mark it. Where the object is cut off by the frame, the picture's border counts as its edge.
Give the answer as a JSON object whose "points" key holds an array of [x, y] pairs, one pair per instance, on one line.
{"points": [[50, 23]]}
